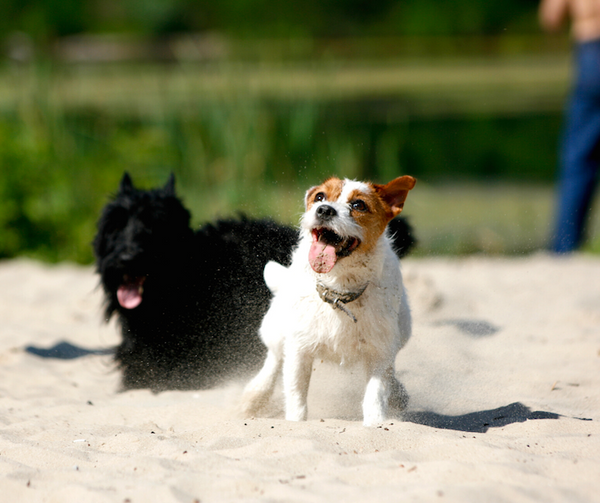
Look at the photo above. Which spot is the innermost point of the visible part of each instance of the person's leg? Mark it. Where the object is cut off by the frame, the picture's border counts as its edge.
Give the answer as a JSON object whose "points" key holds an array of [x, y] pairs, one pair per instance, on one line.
{"points": [[580, 152]]}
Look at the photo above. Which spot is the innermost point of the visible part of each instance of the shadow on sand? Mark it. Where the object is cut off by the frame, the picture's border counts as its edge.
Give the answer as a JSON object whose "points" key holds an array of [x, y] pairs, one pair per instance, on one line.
{"points": [[66, 351], [480, 422]]}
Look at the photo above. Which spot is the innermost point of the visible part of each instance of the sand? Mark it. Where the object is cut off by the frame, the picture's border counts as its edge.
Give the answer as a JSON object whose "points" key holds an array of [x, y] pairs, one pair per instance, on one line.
{"points": [[503, 371]]}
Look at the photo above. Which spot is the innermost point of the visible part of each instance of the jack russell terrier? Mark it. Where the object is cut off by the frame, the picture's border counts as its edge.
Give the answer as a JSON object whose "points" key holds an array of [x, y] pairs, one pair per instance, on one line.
{"points": [[341, 299]]}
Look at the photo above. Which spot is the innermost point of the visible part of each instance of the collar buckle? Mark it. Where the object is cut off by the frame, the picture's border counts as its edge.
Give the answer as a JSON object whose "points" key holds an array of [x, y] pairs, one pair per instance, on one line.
{"points": [[338, 299]]}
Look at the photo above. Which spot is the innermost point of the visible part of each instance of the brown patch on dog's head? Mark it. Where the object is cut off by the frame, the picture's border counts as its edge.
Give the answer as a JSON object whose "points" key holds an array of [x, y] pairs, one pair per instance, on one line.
{"points": [[331, 189], [347, 217], [374, 208], [394, 193], [368, 210]]}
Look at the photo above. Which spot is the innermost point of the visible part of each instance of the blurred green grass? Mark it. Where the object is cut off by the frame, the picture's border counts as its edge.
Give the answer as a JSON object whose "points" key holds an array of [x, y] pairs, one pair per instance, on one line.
{"points": [[480, 134], [427, 87]]}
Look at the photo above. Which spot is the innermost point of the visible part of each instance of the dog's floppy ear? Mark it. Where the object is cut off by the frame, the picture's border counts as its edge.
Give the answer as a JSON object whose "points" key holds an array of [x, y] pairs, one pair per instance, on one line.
{"points": [[169, 187], [126, 183], [394, 193]]}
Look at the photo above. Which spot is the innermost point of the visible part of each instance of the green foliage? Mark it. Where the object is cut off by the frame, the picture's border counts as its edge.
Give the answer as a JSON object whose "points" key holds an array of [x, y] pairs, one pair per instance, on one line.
{"points": [[519, 149], [65, 146], [58, 166], [46, 19]]}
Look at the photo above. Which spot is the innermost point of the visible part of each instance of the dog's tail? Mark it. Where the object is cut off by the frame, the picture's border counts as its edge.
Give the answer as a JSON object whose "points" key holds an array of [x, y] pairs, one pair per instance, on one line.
{"points": [[402, 236], [275, 275]]}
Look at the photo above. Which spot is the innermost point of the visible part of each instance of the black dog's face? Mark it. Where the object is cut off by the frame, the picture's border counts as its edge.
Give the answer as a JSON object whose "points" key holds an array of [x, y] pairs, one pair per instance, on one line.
{"points": [[138, 233]]}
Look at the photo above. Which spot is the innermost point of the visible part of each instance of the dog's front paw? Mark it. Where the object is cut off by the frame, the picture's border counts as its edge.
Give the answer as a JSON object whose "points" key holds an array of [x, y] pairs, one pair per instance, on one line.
{"points": [[373, 420], [296, 413]]}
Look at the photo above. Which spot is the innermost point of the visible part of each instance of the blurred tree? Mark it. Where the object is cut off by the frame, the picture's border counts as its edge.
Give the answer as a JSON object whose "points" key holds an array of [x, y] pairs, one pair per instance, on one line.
{"points": [[45, 19]]}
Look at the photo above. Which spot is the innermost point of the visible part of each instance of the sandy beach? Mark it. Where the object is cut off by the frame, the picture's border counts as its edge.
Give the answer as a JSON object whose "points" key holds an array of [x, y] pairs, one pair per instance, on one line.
{"points": [[503, 371]]}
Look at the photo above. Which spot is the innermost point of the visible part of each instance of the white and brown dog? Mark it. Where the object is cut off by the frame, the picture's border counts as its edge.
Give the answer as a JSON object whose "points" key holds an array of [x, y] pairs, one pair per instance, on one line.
{"points": [[341, 299]]}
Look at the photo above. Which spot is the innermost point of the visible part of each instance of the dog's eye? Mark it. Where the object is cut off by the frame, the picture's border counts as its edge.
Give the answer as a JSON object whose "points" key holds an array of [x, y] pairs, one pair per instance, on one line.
{"points": [[320, 197], [358, 205]]}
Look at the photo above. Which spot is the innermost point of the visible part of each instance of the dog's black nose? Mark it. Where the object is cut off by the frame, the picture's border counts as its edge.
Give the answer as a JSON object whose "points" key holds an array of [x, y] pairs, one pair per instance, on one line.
{"points": [[326, 212], [126, 257]]}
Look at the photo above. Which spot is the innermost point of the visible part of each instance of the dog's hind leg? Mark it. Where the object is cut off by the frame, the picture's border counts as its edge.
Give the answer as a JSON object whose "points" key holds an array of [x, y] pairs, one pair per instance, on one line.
{"points": [[259, 390], [398, 400]]}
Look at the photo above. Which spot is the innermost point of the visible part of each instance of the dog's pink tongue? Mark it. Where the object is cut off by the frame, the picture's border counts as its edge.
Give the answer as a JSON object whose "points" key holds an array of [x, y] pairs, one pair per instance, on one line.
{"points": [[129, 294], [322, 257]]}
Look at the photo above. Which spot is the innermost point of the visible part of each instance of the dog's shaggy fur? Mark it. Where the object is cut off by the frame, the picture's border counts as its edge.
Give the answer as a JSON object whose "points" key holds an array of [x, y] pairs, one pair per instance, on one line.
{"points": [[189, 303]]}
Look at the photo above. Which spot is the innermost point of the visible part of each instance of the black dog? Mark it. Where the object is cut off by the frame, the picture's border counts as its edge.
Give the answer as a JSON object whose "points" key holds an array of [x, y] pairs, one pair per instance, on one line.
{"points": [[189, 303]]}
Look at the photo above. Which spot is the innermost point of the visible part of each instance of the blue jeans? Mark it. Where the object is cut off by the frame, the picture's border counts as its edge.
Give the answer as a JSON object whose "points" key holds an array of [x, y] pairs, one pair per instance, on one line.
{"points": [[580, 151]]}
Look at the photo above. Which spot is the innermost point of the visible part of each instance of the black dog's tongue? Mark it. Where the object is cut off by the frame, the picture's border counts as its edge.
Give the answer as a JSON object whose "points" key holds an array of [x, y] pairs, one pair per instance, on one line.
{"points": [[130, 292]]}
